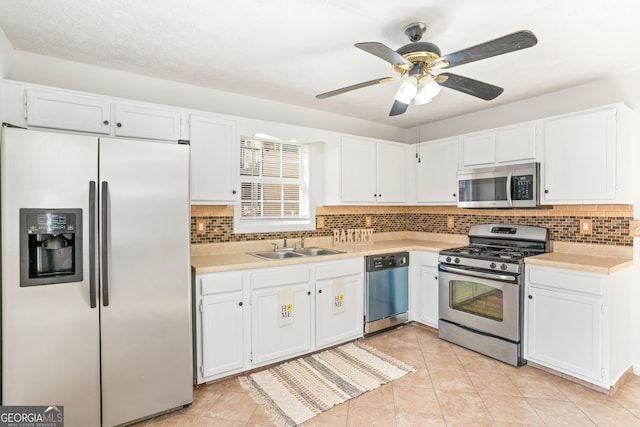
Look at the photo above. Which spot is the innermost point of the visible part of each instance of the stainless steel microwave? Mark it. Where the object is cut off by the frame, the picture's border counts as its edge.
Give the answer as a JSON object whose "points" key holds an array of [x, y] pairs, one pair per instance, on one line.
{"points": [[513, 186]]}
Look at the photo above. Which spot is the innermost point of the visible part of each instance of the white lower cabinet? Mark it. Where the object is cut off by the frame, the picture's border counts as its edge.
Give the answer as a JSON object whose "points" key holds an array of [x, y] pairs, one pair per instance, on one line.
{"points": [[220, 321], [280, 322], [424, 288], [578, 323], [339, 301], [246, 319]]}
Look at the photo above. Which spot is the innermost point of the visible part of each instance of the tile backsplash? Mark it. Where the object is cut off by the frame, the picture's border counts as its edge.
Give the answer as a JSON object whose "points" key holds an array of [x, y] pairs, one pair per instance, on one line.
{"points": [[610, 223]]}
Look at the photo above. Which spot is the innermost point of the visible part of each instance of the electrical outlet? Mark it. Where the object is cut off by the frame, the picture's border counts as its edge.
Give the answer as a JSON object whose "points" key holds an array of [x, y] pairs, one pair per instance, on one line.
{"points": [[320, 222], [367, 221], [586, 226], [450, 221], [201, 226]]}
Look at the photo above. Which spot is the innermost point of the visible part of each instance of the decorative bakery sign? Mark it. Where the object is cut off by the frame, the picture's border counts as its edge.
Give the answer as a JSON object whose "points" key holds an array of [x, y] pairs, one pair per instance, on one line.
{"points": [[351, 236]]}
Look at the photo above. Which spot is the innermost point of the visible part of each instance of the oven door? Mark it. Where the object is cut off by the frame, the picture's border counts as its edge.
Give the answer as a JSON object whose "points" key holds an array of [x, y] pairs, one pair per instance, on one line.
{"points": [[485, 302]]}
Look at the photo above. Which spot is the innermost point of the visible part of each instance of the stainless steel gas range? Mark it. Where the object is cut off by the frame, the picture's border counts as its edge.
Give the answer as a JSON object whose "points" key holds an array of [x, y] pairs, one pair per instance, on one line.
{"points": [[481, 289]]}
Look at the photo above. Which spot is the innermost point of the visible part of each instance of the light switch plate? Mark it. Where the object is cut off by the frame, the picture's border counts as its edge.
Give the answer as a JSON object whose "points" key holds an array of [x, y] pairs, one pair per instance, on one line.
{"points": [[320, 222], [586, 226], [201, 226], [450, 221]]}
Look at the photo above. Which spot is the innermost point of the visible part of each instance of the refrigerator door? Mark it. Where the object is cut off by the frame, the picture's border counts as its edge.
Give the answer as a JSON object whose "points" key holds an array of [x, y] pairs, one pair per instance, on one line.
{"points": [[146, 326], [50, 333]]}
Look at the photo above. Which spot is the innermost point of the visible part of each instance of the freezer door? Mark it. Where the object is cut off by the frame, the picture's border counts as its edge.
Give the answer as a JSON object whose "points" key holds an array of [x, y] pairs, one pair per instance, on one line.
{"points": [[50, 333], [146, 326]]}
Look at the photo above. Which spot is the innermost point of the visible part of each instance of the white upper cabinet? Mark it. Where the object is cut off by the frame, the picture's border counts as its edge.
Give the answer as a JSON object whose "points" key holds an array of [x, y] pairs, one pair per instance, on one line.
{"points": [[93, 114], [496, 146], [64, 111], [584, 157], [214, 159], [371, 171], [436, 173], [133, 121]]}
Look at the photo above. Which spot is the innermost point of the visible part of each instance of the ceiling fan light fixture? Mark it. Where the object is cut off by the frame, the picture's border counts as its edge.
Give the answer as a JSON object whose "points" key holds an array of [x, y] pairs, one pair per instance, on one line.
{"points": [[427, 90], [407, 90]]}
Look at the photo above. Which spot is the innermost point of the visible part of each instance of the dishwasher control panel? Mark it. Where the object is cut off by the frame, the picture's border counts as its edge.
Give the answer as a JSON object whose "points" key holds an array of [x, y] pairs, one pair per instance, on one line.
{"points": [[385, 261]]}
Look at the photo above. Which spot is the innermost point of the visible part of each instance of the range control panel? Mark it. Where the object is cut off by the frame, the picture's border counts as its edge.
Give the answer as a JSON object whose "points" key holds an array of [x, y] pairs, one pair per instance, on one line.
{"points": [[385, 261]]}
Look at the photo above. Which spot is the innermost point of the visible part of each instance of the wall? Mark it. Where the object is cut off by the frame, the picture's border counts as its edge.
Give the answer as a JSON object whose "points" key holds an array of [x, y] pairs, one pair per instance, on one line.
{"points": [[610, 222], [40, 69], [6, 54]]}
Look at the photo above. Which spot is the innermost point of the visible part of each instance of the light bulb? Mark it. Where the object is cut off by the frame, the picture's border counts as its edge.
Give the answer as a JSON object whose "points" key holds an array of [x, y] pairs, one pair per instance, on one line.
{"points": [[427, 91], [407, 90]]}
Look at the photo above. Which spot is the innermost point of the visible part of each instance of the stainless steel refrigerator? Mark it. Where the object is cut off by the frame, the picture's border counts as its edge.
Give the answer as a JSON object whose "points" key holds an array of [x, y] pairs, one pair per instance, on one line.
{"points": [[96, 311]]}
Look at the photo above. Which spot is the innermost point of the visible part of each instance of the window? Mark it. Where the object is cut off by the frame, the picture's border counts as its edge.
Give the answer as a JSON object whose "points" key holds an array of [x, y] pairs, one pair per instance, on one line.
{"points": [[274, 187]]}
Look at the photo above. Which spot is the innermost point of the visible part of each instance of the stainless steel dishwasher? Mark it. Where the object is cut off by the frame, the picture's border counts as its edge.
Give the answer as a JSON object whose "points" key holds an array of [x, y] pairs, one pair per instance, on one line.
{"points": [[386, 291]]}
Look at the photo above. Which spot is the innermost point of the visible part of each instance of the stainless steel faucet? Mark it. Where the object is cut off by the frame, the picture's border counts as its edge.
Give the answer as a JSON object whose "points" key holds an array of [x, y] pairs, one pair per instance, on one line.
{"points": [[285, 243], [275, 246], [302, 242]]}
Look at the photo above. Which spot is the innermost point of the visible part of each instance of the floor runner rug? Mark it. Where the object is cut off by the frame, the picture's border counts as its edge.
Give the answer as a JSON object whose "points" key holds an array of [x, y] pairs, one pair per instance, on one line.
{"points": [[298, 390]]}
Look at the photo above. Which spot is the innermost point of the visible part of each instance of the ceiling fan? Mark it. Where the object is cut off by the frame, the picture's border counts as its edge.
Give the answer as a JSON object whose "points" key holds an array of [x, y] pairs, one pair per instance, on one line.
{"points": [[418, 60]]}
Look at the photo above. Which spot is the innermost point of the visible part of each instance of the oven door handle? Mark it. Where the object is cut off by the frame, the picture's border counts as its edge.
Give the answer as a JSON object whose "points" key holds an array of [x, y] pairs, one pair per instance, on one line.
{"points": [[478, 274]]}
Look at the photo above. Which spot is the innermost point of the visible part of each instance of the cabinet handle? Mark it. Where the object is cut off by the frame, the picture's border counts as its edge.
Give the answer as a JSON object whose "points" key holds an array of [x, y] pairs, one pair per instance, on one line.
{"points": [[240, 303], [546, 191], [308, 292], [530, 296], [454, 194], [234, 192], [435, 277], [106, 122], [379, 195], [119, 124], [320, 291]]}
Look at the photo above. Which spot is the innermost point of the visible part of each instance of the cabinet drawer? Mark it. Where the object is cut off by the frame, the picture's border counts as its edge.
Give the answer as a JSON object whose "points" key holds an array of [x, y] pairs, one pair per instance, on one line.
{"points": [[566, 280], [340, 269], [279, 277], [220, 282]]}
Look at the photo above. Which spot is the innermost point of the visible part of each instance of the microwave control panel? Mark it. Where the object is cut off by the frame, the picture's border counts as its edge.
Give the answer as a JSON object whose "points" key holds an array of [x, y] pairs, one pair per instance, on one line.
{"points": [[522, 187]]}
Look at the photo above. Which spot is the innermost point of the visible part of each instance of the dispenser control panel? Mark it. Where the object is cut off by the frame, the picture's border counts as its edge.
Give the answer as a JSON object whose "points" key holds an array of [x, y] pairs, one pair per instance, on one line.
{"points": [[51, 223]]}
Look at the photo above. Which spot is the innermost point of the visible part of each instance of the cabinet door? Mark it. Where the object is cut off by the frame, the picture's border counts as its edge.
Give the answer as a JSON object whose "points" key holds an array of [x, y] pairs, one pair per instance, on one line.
{"points": [[273, 338], [339, 307], [516, 143], [479, 149], [357, 171], [69, 112], [214, 159], [147, 123], [565, 332], [579, 153], [429, 312], [391, 167], [437, 178], [222, 334]]}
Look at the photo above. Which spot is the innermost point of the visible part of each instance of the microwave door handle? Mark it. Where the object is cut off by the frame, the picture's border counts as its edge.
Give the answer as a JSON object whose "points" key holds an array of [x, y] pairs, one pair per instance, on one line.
{"points": [[509, 175]]}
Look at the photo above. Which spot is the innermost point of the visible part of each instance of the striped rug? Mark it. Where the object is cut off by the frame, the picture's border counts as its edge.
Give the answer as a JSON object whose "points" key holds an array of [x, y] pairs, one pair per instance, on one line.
{"points": [[296, 391]]}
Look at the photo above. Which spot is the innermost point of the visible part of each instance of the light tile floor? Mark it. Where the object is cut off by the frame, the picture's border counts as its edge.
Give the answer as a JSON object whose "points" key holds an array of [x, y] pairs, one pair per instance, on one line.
{"points": [[452, 386]]}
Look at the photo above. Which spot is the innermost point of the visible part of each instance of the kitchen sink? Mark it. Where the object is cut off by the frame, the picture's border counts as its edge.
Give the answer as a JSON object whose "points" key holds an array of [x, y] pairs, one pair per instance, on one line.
{"points": [[269, 255], [289, 253], [317, 251]]}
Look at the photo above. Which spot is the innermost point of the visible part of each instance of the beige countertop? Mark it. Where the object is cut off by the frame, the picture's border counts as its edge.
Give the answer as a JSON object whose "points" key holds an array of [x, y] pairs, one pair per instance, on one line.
{"points": [[229, 257], [217, 262], [582, 262]]}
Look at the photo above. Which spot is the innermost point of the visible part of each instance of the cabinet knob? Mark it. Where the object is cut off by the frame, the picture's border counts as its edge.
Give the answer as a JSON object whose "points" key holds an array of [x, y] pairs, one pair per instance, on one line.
{"points": [[234, 192], [546, 191], [319, 291], [106, 122], [435, 277], [119, 124], [240, 303], [308, 292], [379, 195], [530, 296], [454, 194]]}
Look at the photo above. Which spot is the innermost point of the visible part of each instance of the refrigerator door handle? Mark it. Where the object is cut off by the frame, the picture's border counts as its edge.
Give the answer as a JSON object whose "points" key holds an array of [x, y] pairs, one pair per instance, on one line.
{"points": [[105, 243], [92, 244]]}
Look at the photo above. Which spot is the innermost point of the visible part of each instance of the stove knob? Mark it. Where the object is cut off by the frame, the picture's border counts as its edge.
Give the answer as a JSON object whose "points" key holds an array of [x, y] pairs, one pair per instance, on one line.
{"points": [[457, 260], [503, 267], [492, 265], [448, 259]]}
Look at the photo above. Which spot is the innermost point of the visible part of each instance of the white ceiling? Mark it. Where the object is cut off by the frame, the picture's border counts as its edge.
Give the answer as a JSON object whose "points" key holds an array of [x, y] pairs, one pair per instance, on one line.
{"points": [[291, 50]]}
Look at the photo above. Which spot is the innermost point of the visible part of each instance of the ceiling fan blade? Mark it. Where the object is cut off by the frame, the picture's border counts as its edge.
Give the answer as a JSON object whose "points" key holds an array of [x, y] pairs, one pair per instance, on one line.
{"points": [[398, 108], [386, 53], [509, 43], [469, 86], [354, 87]]}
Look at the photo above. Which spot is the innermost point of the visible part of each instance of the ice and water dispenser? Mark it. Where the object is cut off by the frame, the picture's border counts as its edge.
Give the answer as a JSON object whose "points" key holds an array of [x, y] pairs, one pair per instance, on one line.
{"points": [[50, 246]]}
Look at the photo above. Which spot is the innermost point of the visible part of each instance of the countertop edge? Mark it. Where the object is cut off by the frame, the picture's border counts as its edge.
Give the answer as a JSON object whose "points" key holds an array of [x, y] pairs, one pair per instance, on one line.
{"points": [[586, 263]]}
